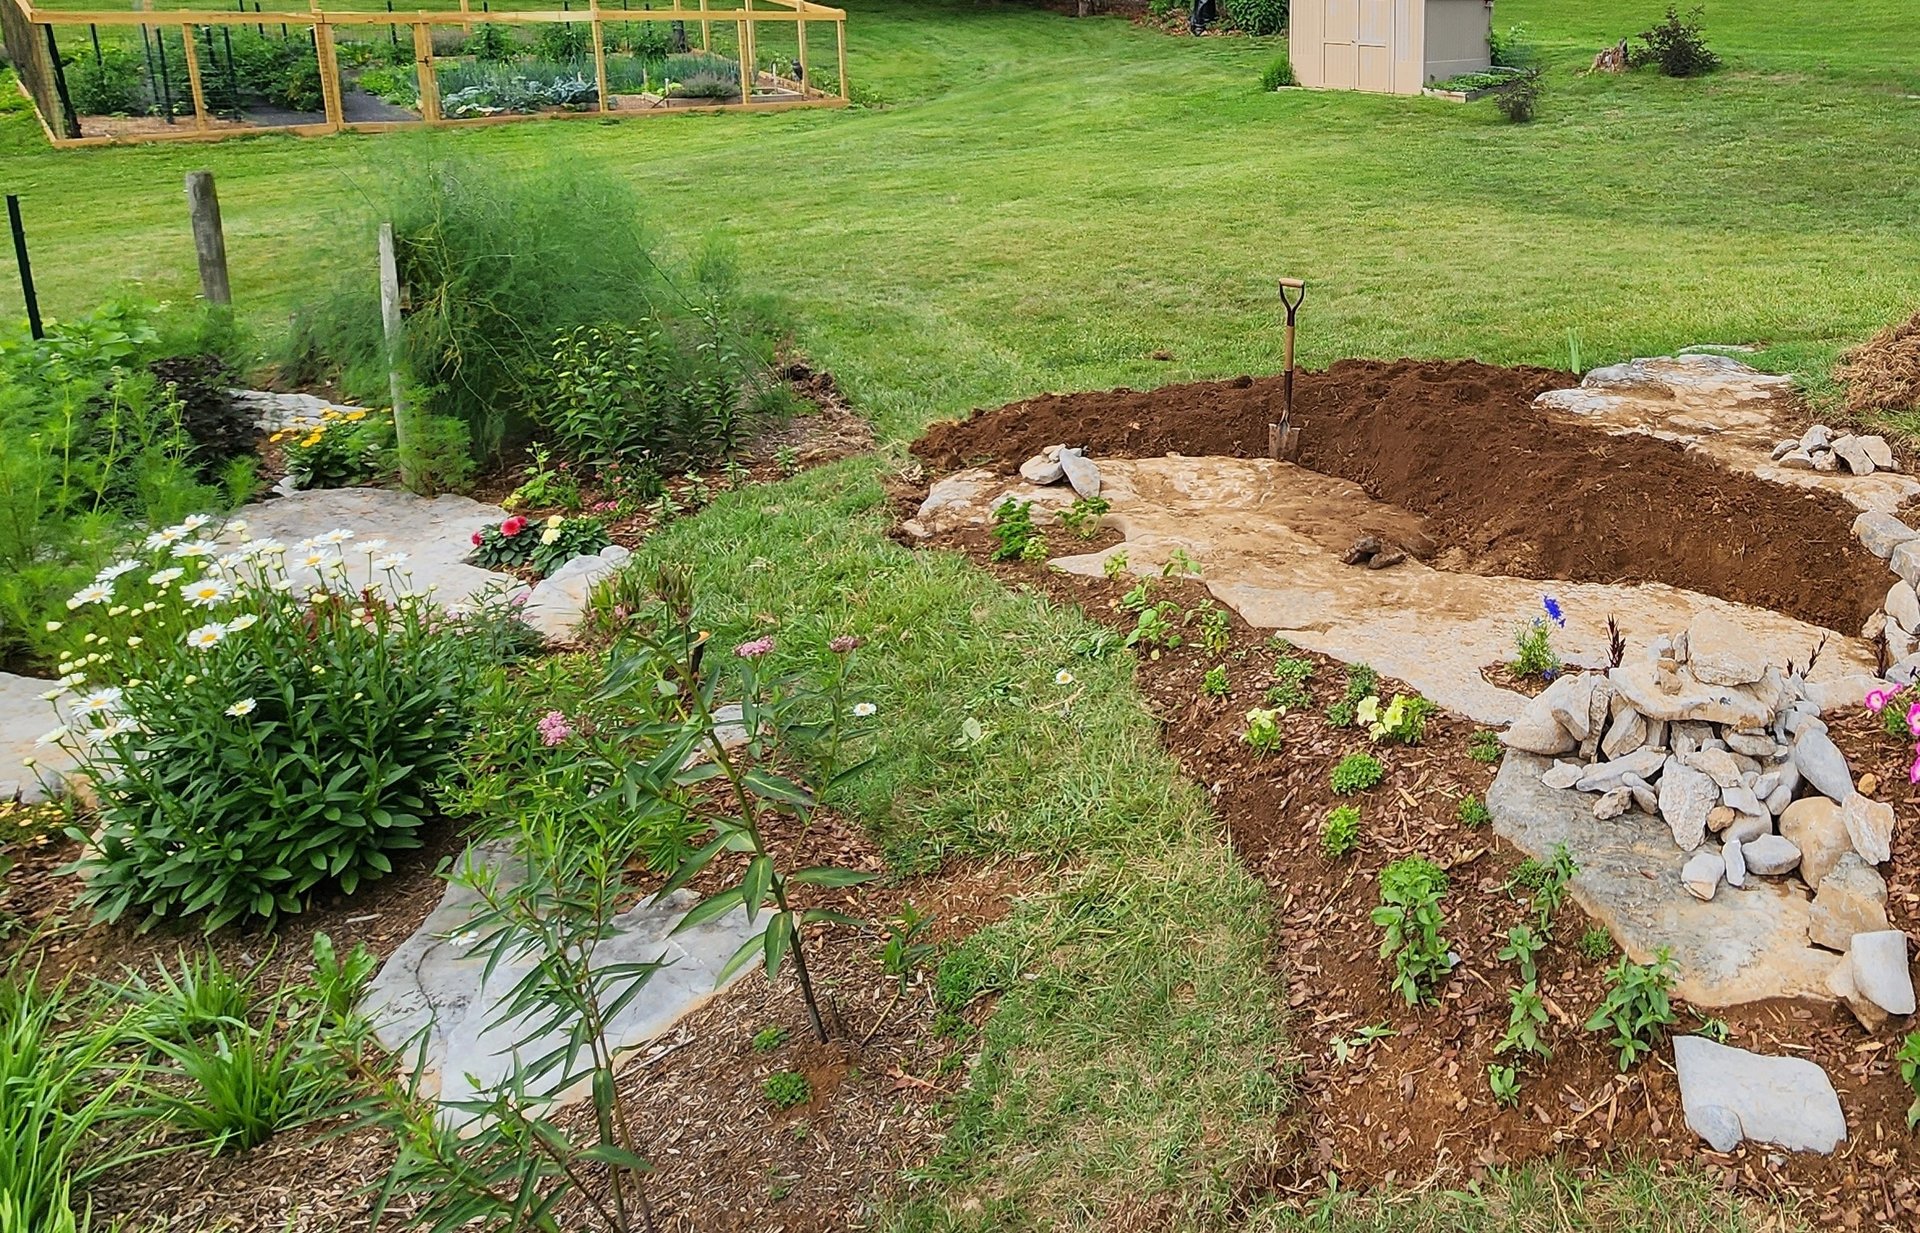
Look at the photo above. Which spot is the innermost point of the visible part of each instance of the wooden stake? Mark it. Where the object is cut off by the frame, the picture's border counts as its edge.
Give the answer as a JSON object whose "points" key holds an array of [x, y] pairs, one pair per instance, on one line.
{"points": [[599, 54], [329, 75], [193, 79], [746, 63], [391, 325], [209, 241], [424, 70], [840, 38], [706, 28]]}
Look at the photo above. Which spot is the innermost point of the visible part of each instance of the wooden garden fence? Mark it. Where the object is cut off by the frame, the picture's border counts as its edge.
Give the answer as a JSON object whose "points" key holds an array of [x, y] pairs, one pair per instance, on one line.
{"points": [[34, 49]]}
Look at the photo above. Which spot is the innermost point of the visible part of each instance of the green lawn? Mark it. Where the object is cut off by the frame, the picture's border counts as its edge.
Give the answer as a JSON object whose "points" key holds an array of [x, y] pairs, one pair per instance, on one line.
{"points": [[1042, 204], [1047, 202]]}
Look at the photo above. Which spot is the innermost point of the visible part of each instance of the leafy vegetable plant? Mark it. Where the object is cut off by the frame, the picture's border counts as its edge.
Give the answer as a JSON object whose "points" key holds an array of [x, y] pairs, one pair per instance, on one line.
{"points": [[1263, 730], [1410, 915], [1340, 833], [1013, 530], [1083, 516], [1214, 684]]}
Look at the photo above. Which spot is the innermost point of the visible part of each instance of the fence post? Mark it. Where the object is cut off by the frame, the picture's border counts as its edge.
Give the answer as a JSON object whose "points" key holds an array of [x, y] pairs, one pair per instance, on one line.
{"points": [[209, 241], [599, 54], [840, 42], [26, 267], [391, 326], [193, 78], [429, 77]]}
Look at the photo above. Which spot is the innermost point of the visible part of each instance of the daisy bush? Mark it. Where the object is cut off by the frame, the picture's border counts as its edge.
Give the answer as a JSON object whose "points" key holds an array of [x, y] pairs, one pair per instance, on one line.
{"points": [[260, 720]]}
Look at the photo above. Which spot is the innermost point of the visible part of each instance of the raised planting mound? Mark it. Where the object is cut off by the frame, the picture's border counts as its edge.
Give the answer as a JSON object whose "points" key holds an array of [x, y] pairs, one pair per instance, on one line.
{"points": [[1883, 374], [1504, 488]]}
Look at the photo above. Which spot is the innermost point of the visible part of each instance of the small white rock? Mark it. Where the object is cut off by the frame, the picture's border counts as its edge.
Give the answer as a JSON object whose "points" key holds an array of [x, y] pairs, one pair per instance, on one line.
{"points": [[1701, 874]]}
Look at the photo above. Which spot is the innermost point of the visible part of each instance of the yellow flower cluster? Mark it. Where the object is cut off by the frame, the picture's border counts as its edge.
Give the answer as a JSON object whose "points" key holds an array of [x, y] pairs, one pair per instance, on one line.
{"points": [[310, 437]]}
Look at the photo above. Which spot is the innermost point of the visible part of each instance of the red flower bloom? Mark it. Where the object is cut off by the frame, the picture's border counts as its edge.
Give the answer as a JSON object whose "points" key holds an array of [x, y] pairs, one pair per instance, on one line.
{"points": [[513, 526], [476, 539]]}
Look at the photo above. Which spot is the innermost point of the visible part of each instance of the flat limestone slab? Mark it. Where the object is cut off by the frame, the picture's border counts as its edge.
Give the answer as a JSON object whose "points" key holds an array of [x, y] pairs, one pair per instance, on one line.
{"points": [[1742, 946], [436, 984], [436, 534], [1268, 538], [1721, 407], [1731, 1095], [24, 718]]}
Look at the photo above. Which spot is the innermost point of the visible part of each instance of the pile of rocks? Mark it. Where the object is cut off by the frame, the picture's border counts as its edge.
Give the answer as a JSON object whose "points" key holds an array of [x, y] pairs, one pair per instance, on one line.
{"points": [[1732, 755], [1063, 462], [1819, 449], [1898, 623]]}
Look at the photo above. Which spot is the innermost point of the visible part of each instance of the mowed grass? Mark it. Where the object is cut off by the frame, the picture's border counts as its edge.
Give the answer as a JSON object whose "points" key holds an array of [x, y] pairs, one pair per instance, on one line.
{"points": [[1048, 202], [1042, 204]]}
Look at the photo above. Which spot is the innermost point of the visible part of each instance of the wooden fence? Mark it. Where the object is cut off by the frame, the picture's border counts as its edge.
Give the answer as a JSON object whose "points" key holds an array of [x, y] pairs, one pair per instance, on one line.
{"points": [[32, 45]]}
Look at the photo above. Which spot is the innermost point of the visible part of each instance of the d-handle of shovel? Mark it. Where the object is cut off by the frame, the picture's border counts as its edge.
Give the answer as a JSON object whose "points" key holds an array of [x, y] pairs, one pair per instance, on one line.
{"points": [[1293, 303]]}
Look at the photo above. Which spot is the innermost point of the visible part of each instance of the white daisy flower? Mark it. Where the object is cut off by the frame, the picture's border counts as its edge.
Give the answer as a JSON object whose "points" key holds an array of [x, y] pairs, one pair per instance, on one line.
{"points": [[339, 535], [109, 573], [98, 702], [232, 561], [96, 593], [264, 547], [235, 526], [53, 736], [119, 725], [206, 636], [862, 710], [371, 546], [393, 560], [51, 694], [241, 708], [193, 522], [160, 539], [206, 593], [165, 576], [193, 549], [245, 620], [314, 559], [69, 678], [1063, 677]]}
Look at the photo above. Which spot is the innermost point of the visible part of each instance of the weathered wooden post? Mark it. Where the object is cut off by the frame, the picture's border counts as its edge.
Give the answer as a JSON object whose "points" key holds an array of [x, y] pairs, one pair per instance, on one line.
{"points": [[391, 326], [209, 241]]}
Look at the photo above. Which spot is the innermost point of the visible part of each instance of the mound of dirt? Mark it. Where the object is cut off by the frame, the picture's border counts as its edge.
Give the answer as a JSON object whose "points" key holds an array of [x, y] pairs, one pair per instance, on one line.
{"points": [[1883, 374], [1505, 489]]}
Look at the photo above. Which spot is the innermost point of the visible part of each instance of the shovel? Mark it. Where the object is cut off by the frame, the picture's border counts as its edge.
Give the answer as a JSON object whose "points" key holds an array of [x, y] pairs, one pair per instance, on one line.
{"points": [[1283, 439]]}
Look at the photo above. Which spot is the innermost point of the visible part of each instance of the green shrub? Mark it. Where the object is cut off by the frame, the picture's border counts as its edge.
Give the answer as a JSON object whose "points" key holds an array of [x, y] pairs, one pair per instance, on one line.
{"points": [[345, 448], [502, 262], [221, 428], [1519, 95], [1278, 74], [1013, 529], [111, 87], [1403, 720], [645, 395], [1356, 773], [491, 44], [1676, 46], [1083, 516], [252, 745], [1340, 833], [563, 40], [1409, 912], [698, 74], [1638, 1008], [1256, 16], [1214, 684], [1510, 48], [196, 997], [541, 547], [1533, 650]]}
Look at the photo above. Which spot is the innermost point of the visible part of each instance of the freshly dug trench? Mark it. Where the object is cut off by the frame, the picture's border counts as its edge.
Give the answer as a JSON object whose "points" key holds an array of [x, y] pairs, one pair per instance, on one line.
{"points": [[1504, 488]]}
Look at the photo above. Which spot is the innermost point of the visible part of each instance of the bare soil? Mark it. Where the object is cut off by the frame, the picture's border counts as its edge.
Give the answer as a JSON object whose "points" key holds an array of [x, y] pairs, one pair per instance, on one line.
{"points": [[1416, 1108], [1504, 489]]}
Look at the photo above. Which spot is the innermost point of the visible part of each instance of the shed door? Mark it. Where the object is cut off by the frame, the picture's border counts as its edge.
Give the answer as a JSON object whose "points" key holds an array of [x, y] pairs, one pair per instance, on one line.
{"points": [[1340, 44], [1375, 38]]}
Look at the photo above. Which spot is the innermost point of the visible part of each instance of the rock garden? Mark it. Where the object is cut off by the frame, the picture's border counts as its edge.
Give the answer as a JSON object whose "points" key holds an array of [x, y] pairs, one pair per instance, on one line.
{"points": [[1565, 718]]}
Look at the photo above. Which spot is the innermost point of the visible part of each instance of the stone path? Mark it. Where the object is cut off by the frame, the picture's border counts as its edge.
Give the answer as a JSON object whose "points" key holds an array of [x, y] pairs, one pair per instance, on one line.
{"points": [[435, 988], [1268, 537]]}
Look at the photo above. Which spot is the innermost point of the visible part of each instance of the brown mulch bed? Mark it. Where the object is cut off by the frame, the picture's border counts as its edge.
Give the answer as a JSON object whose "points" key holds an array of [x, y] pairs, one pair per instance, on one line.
{"points": [[724, 1157], [1415, 1108], [1503, 489]]}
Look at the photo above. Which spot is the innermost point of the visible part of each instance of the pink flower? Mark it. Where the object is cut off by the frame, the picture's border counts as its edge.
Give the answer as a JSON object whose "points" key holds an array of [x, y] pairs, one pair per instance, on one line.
{"points": [[755, 649], [513, 526], [1877, 699], [476, 544], [843, 644], [554, 728], [1913, 772], [1913, 719]]}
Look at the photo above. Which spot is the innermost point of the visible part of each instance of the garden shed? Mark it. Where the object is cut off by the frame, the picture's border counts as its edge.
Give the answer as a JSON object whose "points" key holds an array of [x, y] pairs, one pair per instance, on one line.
{"points": [[1387, 46]]}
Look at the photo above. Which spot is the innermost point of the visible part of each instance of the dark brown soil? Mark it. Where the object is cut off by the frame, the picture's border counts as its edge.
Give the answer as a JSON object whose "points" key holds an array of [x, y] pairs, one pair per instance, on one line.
{"points": [[1504, 489], [1415, 1108]]}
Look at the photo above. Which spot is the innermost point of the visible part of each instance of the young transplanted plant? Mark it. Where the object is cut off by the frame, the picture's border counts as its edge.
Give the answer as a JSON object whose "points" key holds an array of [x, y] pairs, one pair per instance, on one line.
{"points": [[1409, 912], [1638, 1008], [1533, 643]]}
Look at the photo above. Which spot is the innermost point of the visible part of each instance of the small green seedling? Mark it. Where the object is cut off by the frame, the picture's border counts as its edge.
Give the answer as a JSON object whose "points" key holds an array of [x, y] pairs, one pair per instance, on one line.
{"points": [[1362, 682], [1115, 565], [1533, 650], [1638, 1008], [1409, 913], [1340, 833], [1484, 746], [1214, 684], [1180, 565], [787, 1089], [1345, 1047], [1473, 812], [1216, 632], [1139, 597], [1909, 1059], [1597, 944], [767, 1039], [1157, 628], [1013, 530], [1289, 690], [1403, 720], [1356, 773], [1714, 1028], [1263, 730], [1504, 1081], [1083, 516]]}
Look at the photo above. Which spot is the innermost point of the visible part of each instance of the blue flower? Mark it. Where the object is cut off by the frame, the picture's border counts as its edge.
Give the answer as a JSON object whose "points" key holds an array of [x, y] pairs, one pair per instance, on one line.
{"points": [[1552, 606], [1547, 674]]}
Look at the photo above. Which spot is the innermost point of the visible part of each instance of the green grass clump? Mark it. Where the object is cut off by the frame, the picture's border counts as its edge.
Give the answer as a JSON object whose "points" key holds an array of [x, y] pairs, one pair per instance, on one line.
{"points": [[1340, 833], [1356, 773], [1473, 812], [1597, 944], [1484, 745]]}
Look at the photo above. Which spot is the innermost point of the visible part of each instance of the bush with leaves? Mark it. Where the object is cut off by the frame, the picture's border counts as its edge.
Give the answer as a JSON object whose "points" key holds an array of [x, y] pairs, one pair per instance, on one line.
{"points": [[1410, 916], [339, 450], [108, 86], [1084, 515], [1638, 1008], [1340, 833], [1676, 46], [1356, 773], [1277, 75], [1260, 17], [1013, 530], [240, 1084], [787, 1088], [1519, 95], [252, 743]]}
